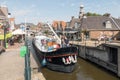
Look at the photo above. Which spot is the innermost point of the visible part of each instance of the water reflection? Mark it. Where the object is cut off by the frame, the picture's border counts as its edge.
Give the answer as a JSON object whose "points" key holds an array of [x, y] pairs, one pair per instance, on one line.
{"points": [[83, 71]]}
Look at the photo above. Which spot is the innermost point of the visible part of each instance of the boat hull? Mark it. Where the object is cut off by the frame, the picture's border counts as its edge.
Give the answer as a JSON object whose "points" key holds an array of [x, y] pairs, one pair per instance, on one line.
{"points": [[61, 68], [58, 60]]}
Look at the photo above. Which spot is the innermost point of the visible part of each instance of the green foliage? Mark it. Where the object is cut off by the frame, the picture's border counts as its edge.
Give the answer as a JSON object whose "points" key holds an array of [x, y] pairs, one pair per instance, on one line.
{"points": [[92, 14], [95, 14], [106, 14]]}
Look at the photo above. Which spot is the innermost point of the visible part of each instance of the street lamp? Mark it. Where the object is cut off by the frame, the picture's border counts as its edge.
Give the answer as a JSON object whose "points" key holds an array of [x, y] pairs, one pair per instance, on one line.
{"points": [[4, 27]]}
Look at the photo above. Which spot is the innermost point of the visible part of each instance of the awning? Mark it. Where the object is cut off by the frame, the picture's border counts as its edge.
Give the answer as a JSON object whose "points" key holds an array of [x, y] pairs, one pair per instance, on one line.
{"points": [[72, 32], [7, 36], [18, 32]]}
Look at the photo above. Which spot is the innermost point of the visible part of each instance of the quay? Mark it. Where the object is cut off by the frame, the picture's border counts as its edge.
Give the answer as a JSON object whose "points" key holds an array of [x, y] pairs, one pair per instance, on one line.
{"points": [[12, 65], [104, 54]]}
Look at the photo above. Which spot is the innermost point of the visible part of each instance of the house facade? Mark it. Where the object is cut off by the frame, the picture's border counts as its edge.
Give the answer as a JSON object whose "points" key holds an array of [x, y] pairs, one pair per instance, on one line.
{"points": [[4, 25], [101, 27], [96, 27]]}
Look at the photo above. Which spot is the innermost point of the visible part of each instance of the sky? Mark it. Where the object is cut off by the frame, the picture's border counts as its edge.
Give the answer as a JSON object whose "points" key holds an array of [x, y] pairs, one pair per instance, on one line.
{"points": [[35, 11]]}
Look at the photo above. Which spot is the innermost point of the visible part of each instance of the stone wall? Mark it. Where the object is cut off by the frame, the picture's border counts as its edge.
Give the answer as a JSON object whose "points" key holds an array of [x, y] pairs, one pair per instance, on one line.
{"points": [[98, 53]]}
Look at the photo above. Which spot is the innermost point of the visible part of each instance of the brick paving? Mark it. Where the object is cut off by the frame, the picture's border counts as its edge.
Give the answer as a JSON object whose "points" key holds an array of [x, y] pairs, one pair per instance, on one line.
{"points": [[12, 65]]}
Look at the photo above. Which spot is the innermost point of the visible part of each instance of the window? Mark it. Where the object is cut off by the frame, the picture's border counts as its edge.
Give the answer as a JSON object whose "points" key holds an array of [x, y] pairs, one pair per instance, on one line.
{"points": [[77, 25], [108, 24]]}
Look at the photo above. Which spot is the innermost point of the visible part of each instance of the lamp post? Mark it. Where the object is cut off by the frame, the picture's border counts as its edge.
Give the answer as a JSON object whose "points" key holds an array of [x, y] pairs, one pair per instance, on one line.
{"points": [[4, 25]]}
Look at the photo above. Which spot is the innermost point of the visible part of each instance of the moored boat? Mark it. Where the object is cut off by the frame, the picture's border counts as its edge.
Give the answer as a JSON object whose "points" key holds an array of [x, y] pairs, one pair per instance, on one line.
{"points": [[53, 55]]}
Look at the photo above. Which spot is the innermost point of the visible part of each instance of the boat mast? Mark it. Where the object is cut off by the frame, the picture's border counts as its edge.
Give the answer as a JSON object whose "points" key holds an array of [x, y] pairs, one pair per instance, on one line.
{"points": [[58, 39]]}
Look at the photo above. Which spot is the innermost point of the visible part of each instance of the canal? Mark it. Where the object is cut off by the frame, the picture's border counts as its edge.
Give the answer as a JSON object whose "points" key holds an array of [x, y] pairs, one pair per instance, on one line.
{"points": [[84, 71]]}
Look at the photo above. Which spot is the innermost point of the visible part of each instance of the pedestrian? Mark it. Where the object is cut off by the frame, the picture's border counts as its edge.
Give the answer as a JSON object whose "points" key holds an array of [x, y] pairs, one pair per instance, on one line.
{"points": [[66, 41]]}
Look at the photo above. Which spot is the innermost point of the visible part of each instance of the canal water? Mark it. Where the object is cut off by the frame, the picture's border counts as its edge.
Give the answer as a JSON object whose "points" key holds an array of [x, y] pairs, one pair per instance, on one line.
{"points": [[84, 71]]}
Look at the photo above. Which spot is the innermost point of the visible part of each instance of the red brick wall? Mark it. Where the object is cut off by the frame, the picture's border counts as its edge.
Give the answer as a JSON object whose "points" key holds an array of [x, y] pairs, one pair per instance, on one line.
{"points": [[96, 34]]}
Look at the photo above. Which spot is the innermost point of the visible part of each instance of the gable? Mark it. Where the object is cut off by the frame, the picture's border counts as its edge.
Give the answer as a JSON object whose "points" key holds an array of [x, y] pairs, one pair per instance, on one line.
{"points": [[1, 13]]}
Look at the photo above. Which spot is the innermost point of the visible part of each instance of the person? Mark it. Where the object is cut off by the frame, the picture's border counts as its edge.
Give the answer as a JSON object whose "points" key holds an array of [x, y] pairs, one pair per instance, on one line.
{"points": [[11, 41], [66, 41]]}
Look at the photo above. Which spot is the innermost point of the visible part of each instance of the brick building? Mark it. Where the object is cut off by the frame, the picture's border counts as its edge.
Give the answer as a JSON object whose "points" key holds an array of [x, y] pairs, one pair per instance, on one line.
{"points": [[95, 27], [4, 24]]}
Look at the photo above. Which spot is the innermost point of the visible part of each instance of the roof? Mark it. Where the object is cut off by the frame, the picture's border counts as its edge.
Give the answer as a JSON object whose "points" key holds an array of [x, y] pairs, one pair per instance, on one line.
{"points": [[73, 21], [96, 23], [1, 13]]}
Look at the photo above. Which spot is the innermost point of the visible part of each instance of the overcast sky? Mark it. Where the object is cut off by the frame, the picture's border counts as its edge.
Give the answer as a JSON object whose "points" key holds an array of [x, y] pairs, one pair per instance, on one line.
{"points": [[49, 10]]}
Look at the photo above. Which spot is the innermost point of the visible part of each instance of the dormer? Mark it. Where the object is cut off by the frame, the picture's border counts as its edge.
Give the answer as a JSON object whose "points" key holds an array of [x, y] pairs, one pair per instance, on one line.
{"points": [[108, 24]]}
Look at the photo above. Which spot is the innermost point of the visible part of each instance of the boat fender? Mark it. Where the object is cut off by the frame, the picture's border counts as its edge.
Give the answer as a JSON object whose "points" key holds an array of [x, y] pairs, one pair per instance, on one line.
{"points": [[68, 61], [44, 62], [70, 58], [65, 62], [74, 60]]}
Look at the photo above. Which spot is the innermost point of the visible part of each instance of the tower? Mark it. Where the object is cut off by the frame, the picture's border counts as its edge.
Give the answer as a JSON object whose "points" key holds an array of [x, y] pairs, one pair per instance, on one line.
{"points": [[81, 13]]}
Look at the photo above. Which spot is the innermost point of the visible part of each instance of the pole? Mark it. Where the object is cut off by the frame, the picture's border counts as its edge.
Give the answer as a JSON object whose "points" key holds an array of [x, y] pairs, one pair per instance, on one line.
{"points": [[27, 63], [4, 36], [27, 59]]}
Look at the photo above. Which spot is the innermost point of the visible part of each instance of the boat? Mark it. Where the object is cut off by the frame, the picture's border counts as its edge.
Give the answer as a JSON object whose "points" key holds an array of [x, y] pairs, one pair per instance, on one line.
{"points": [[53, 56]]}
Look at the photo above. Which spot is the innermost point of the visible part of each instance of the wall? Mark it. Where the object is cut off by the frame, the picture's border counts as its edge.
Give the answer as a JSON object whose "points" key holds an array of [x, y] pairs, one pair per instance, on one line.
{"points": [[98, 53], [97, 34], [81, 51], [119, 61]]}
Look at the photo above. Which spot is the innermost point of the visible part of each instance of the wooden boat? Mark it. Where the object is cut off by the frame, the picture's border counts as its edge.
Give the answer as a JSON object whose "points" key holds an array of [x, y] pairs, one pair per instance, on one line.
{"points": [[53, 56]]}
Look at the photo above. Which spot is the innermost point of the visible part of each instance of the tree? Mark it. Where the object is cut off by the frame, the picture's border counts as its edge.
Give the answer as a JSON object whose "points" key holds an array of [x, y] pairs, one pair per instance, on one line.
{"points": [[92, 14], [106, 14]]}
